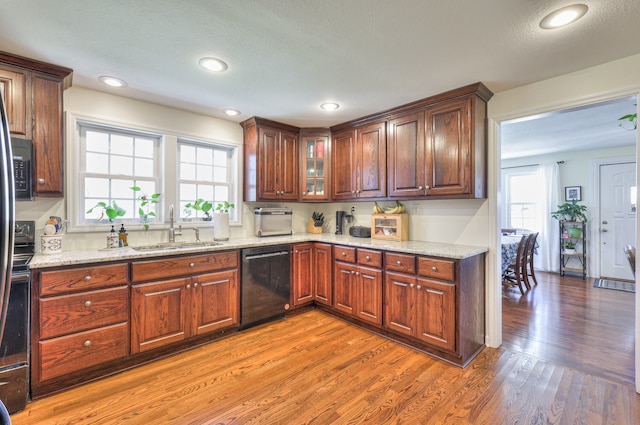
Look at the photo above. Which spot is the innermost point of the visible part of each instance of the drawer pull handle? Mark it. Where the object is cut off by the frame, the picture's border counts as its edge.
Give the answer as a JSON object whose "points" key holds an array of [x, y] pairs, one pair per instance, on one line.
{"points": [[433, 291], [434, 268], [87, 343], [367, 258], [87, 303], [87, 278], [399, 262], [192, 265]]}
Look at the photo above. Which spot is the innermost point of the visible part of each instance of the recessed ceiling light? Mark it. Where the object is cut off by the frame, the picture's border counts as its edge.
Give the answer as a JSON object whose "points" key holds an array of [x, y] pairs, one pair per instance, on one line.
{"points": [[112, 81], [564, 16], [231, 112], [213, 64], [329, 106]]}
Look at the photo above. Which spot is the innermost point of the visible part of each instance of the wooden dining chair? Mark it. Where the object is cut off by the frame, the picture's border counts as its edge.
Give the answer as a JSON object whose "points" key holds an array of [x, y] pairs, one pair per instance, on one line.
{"points": [[630, 252], [516, 272], [531, 250]]}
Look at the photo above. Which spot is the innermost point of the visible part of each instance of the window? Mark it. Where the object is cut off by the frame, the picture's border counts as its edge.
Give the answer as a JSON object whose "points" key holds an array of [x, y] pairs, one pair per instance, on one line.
{"points": [[522, 194], [112, 161], [204, 172]]}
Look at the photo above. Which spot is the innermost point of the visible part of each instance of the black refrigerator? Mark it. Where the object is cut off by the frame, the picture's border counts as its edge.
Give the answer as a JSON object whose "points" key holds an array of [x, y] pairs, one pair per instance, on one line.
{"points": [[7, 219]]}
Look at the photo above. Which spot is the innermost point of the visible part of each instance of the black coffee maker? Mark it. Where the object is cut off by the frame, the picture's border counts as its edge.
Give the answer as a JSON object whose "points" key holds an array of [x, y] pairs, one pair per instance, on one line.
{"points": [[339, 220]]}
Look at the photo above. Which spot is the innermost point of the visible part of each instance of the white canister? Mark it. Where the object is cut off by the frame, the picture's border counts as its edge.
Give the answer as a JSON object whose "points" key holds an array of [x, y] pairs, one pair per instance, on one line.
{"points": [[51, 244]]}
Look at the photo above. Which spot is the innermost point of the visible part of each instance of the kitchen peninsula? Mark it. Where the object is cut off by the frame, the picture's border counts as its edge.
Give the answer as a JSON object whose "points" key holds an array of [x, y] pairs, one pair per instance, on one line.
{"points": [[92, 310]]}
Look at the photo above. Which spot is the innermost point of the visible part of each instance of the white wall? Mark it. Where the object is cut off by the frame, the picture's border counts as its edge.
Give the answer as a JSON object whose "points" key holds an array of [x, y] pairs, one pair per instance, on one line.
{"points": [[602, 82]]}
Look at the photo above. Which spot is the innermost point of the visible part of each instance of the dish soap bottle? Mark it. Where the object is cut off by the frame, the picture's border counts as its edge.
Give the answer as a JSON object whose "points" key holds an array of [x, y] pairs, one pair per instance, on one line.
{"points": [[122, 236], [112, 238]]}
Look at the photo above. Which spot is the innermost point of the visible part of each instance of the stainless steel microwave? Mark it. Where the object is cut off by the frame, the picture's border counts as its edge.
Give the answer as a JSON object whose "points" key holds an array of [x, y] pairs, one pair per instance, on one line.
{"points": [[22, 168]]}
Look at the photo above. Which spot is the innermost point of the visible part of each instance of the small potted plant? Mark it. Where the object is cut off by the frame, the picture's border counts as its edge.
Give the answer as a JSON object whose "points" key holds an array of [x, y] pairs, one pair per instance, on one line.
{"points": [[200, 205], [221, 221], [569, 247], [571, 212], [109, 210]]}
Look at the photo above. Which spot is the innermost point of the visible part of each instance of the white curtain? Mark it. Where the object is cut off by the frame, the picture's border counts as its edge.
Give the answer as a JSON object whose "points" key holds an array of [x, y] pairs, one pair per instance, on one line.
{"points": [[548, 258]]}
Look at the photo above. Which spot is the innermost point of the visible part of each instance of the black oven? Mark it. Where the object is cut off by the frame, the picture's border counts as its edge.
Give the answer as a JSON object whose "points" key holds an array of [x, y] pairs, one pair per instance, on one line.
{"points": [[14, 347]]}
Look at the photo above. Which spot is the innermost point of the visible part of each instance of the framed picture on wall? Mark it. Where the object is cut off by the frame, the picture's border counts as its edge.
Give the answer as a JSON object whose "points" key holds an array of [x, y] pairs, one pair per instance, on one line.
{"points": [[573, 193]]}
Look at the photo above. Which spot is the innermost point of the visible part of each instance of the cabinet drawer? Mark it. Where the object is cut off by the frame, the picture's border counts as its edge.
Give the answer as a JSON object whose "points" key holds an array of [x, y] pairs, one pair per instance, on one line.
{"points": [[344, 253], [369, 258], [142, 271], [82, 279], [437, 269], [400, 262], [78, 312], [67, 354]]}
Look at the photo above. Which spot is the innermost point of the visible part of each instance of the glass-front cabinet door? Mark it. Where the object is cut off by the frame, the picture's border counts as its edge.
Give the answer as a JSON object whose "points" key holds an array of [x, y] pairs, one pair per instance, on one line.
{"points": [[315, 164]]}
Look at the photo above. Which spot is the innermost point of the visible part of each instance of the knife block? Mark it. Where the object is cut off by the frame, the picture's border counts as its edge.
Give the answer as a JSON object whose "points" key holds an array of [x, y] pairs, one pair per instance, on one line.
{"points": [[311, 228]]}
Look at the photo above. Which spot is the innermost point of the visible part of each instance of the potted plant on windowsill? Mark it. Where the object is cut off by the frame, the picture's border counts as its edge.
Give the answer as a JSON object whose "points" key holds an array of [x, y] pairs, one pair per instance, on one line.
{"points": [[109, 210], [201, 205], [221, 221]]}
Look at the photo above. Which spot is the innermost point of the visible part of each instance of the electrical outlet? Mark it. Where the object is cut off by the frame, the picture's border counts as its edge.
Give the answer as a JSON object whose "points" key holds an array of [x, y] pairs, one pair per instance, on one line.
{"points": [[353, 210]]}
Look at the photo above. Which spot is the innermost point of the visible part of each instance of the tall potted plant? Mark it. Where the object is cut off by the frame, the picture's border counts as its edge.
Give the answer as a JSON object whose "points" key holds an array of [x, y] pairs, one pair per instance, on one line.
{"points": [[221, 221], [571, 211]]}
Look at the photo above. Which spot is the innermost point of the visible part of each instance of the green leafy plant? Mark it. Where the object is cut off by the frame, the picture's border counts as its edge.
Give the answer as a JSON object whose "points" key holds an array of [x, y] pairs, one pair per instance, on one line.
{"points": [[224, 207], [632, 118], [570, 245], [145, 206], [570, 211], [200, 205], [111, 211]]}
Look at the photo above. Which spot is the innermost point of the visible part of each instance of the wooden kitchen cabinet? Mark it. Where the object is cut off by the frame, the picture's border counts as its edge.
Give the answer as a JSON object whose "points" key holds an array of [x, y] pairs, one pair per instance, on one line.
{"points": [[184, 304], [439, 149], [81, 318], [438, 302], [359, 162], [33, 94], [358, 283], [315, 166], [311, 273], [270, 161]]}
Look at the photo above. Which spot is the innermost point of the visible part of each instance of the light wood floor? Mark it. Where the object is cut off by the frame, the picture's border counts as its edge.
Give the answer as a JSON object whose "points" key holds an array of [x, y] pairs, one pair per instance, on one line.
{"points": [[315, 369]]}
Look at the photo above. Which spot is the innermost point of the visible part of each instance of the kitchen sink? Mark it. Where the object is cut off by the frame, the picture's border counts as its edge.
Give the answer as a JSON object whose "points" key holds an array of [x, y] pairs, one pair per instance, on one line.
{"points": [[174, 245]]}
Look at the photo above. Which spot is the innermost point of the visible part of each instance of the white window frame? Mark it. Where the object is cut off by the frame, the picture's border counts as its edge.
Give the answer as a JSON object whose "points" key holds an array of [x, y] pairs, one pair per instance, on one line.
{"points": [[506, 193]]}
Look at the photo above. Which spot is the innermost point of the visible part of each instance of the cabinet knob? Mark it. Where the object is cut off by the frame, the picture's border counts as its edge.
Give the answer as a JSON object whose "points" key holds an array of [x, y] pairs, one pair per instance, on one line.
{"points": [[192, 265], [87, 343], [367, 258], [419, 287], [352, 272], [353, 191], [344, 254], [188, 286], [304, 193], [40, 181], [427, 187], [399, 262], [434, 268], [420, 187], [87, 303], [357, 273], [87, 278], [195, 285], [297, 251], [411, 285]]}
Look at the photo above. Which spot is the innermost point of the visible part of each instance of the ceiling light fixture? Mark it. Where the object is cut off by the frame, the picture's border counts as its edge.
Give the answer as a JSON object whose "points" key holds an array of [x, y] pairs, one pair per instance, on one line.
{"points": [[231, 112], [213, 64], [112, 81], [563, 16], [329, 106]]}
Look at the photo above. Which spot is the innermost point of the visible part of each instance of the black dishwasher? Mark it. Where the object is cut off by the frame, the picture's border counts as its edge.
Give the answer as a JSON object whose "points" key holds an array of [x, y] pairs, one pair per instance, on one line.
{"points": [[265, 284]]}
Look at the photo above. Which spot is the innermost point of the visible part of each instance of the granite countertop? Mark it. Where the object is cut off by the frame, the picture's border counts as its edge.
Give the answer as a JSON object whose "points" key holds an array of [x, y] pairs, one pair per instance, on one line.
{"points": [[436, 249]]}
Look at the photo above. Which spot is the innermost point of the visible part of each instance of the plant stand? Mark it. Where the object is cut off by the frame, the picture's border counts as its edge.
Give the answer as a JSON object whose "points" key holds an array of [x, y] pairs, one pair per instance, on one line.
{"points": [[573, 260]]}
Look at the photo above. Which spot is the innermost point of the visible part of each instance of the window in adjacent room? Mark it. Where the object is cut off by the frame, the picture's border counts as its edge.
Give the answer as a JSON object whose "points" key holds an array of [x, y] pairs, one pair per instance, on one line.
{"points": [[522, 198]]}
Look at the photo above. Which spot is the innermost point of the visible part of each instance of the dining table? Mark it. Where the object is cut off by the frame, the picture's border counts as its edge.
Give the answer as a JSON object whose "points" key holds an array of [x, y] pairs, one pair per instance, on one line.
{"points": [[509, 245]]}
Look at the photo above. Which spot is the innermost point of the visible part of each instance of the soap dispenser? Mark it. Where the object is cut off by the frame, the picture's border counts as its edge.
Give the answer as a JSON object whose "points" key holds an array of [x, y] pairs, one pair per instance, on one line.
{"points": [[112, 238], [122, 236]]}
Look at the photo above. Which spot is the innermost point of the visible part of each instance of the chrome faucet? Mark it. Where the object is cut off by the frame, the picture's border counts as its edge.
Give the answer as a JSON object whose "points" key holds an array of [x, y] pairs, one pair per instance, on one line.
{"points": [[172, 230]]}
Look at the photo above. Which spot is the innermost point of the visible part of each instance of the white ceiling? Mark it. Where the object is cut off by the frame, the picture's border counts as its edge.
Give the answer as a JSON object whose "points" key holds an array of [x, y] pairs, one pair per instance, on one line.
{"points": [[287, 56]]}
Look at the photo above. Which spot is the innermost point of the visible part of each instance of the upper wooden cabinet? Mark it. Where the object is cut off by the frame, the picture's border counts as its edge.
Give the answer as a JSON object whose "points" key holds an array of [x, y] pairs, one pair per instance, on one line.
{"points": [[360, 163], [270, 160], [315, 165], [439, 150], [32, 91]]}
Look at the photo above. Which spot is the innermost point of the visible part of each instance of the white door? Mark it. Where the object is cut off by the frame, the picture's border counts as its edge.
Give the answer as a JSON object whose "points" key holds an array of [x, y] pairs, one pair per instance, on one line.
{"points": [[617, 219]]}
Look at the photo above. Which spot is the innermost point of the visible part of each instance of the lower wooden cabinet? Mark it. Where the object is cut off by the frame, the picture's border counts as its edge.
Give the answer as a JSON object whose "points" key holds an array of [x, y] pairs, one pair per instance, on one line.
{"points": [[311, 273], [81, 320], [358, 283]]}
